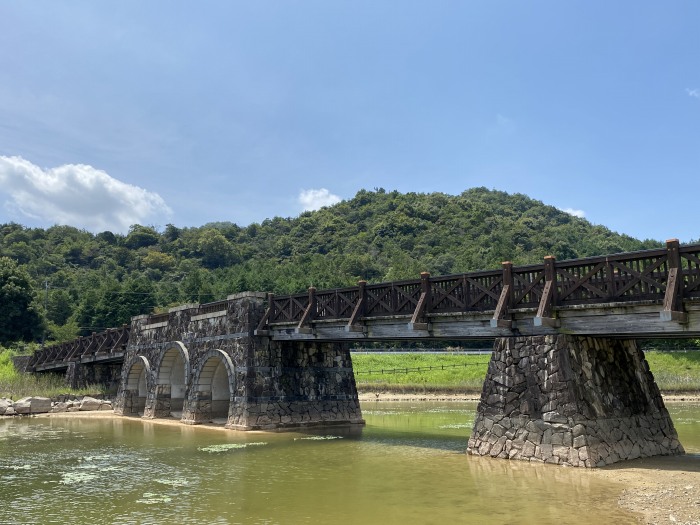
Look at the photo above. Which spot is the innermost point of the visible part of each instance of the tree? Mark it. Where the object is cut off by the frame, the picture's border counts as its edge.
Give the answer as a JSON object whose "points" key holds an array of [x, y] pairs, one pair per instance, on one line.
{"points": [[19, 320], [216, 250], [141, 236]]}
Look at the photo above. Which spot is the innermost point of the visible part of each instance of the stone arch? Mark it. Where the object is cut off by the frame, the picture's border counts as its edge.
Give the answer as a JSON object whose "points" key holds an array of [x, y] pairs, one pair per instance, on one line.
{"points": [[215, 380], [172, 375], [137, 385]]}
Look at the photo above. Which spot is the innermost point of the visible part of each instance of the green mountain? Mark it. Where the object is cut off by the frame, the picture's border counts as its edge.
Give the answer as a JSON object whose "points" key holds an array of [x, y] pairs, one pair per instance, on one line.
{"points": [[87, 282]]}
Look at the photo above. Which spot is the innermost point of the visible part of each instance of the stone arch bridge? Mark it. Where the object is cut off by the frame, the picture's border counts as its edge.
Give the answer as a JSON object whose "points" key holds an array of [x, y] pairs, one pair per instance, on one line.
{"points": [[566, 382]]}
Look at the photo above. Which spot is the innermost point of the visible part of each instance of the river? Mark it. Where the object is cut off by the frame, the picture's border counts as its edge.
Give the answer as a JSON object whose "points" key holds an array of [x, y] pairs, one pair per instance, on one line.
{"points": [[407, 466]]}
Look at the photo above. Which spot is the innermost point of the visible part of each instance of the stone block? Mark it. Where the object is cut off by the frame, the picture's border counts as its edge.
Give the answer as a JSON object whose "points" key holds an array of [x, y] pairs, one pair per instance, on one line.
{"points": [[579, 441], [60, 407], [90, 403], [22, 407], [39, 405]]}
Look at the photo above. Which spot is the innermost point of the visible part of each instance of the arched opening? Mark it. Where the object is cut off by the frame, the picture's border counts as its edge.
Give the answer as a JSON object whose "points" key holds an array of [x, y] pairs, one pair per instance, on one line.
{"points": [[214, 381], [136, 388], [172, 378]]}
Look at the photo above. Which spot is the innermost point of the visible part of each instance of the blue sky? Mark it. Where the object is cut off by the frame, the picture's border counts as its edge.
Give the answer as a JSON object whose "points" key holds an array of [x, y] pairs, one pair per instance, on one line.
{"points": [[175, 112]]}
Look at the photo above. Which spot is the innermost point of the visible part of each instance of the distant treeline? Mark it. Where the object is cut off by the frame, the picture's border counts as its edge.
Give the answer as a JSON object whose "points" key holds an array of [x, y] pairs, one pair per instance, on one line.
{"points": [[84, 282]]}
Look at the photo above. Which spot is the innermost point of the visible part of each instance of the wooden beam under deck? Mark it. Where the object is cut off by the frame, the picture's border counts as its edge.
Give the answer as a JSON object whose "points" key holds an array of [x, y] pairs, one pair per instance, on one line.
{"points": [[630, 320]]}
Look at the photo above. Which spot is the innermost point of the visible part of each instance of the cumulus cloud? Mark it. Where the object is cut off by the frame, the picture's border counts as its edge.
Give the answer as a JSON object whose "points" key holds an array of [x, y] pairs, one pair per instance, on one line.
{"points": [[576, 213], [77, 195], [693, 92], [314, 199]]}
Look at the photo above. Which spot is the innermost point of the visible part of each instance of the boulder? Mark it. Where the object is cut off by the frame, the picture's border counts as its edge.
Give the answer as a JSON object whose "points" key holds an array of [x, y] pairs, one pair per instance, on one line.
{"points": [[40, 405], [90, 403], [32, 405], [23, 406], [4, 405], [60, 407]]}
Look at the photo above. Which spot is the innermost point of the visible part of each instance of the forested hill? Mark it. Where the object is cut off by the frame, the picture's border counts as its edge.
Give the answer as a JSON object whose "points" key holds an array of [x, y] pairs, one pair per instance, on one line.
{"points": [[100, 280]]}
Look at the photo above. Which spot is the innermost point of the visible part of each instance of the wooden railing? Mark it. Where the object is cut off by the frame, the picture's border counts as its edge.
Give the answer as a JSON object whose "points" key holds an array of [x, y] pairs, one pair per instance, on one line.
{"points": [[667, 275], [102, 345]]}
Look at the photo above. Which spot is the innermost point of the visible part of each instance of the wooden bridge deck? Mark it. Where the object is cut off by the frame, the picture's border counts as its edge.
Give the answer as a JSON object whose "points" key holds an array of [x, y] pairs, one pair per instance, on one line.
{"points": [[651, 293], [103, 347], [645, 294]]}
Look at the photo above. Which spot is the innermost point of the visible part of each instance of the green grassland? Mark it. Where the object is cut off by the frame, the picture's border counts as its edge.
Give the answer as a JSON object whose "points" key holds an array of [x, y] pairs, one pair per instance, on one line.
{"points": [[674, 372], [398, 372], [15, 385], [447, 372]]}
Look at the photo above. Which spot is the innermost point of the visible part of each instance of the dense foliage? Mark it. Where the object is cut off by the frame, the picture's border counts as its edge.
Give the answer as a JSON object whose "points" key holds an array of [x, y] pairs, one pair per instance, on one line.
{"points": [[100, 281], [19, 320]]}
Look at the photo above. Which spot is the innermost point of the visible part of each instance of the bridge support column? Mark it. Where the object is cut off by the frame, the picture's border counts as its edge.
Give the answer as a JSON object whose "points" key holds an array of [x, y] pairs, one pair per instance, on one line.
{"points": [[72, 377], [198, 408], [160, 405], [571, 400], [296, 384]]}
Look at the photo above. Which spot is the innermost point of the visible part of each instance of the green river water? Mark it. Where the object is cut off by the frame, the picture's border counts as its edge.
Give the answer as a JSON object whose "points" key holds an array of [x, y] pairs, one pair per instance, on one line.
{"points": [[407, 466]]}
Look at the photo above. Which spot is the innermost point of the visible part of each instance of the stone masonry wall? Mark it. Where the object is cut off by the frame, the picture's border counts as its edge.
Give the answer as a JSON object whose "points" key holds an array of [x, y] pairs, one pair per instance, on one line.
{"points": [[271, 384], [299, 384], [80, 375], [571, 400]]}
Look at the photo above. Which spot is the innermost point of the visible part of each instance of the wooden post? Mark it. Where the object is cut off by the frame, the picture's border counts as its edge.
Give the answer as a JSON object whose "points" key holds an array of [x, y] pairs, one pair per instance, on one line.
{"points": [[262, 328], [501, 317], [419, 320], [359, 310], [545, 312], [304, 326], [673, 299]]}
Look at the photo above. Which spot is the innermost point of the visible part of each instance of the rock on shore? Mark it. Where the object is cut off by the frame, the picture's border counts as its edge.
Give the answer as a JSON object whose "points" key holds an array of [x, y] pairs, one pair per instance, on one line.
{"points": [[43, 405]]}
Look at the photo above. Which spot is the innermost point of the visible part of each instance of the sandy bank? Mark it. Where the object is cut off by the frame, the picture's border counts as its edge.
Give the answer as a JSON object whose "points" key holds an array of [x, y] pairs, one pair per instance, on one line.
{"points": [[430, 396], [660, 489]]}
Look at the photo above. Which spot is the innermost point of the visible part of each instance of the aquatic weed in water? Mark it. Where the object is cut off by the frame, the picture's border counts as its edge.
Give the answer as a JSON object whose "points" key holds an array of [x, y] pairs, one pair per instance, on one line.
{"points": [[150, 498], [318, 438], [224, 447]]}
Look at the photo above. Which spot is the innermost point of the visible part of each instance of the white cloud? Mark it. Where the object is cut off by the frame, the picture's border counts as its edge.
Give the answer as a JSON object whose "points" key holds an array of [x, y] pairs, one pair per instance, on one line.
{"points": [[693, 92], [314, 199], [77, 195], [576, 213]]}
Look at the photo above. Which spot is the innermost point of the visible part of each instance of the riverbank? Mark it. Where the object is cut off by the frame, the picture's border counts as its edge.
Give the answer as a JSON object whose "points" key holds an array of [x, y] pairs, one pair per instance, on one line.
{"points": [[664, 489], [366, 397]]}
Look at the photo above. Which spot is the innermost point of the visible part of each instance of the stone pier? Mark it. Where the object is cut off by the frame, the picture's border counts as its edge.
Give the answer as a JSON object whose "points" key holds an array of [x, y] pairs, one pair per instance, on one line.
{"points": [[571, 400], [203, 363]]}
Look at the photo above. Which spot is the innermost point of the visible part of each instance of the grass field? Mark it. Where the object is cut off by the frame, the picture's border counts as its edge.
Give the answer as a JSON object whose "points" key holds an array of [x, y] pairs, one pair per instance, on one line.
{"points": [[392, 372], [676, 371], [16, 385], [460, 373]]}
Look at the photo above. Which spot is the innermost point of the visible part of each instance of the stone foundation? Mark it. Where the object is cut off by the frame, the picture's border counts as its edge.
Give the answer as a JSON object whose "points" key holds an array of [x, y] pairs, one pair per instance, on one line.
{"points": [[300, 384], [570, 400], [129, 403], [81, 375], [224, 371]]}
